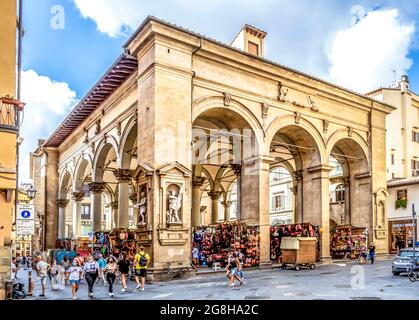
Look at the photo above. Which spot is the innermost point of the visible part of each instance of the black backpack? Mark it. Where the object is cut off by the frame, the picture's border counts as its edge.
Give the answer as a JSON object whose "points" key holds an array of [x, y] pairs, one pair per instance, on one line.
{"points": [[143, 260]]}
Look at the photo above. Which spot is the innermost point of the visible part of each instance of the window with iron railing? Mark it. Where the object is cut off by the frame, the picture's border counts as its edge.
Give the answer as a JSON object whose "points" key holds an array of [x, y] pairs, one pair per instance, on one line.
{"points": [[9, 108]]}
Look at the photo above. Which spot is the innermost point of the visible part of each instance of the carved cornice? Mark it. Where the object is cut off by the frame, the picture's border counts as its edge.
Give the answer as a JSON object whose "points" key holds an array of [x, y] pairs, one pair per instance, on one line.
{"points": [[123, 175], [62, 203], [197, 181], [78, 196], [97, 187]]}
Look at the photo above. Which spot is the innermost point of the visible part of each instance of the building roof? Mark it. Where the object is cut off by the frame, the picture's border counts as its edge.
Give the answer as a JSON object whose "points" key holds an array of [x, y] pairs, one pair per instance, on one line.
{"points": [[193, 33], [123, 67], [393, 183]]}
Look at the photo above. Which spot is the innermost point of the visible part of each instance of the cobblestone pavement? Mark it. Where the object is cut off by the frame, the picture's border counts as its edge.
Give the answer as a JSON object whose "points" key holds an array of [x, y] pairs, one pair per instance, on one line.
{"points": [[342, 281]]}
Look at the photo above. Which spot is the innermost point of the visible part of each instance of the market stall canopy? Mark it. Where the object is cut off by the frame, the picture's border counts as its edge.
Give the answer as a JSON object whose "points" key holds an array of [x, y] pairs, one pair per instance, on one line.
{"points": [[293, 243]]}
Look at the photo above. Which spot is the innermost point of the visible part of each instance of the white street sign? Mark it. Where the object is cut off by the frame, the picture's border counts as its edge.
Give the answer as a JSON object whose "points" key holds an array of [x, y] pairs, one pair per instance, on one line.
{"points": [[25, 227], [25, 212]]}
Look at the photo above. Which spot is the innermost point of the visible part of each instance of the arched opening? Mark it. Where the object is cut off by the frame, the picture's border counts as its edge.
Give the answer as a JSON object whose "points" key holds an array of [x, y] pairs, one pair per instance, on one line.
{"points": [[281, 196], [222, 140]]}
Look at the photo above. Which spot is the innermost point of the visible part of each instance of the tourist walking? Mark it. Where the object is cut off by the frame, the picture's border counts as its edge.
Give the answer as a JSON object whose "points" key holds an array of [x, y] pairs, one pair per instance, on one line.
{"points": [[42, 271], [363, 254], [90, 273], [110, 268], [372, 252], [235, 269], [141, 262], [79, 259], [74, 274], [123, 268], [195, 257], [65, 265], [102, 266]]}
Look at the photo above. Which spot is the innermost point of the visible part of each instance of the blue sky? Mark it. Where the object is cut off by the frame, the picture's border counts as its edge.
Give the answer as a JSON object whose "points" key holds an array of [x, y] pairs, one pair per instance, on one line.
{"points": [[323, 38]]}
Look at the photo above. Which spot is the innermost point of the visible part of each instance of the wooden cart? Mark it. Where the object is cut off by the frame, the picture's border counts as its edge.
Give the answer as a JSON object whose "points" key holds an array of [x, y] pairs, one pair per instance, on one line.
{"points": [[298, 252]]}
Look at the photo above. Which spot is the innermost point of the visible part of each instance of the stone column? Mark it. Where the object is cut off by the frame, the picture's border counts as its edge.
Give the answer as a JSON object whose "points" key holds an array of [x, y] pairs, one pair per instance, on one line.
{"points": [[237, 169], [214, 195], [298, 196], [124, 177], [96, 188], [347, 185], [255, 200], [114, 207], [317, 202], [77, 197], [197, 183], [61, 204], [227, 205]]}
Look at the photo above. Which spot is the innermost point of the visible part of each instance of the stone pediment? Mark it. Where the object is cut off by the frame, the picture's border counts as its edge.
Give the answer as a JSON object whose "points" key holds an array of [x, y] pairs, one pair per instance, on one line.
{"points": [[174, 168], [142, 167]]}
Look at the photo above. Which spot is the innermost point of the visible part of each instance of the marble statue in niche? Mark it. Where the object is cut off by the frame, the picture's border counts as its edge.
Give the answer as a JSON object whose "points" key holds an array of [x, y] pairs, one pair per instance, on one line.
{"points": [[175, 203]]}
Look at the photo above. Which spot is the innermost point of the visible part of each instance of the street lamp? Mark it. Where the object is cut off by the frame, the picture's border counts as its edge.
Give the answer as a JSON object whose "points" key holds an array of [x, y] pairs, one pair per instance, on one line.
{"points": [[31, 193]]}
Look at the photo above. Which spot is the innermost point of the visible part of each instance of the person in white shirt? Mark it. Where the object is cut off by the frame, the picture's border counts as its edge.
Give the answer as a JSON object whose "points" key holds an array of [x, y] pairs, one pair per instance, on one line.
{"points": [[13, 270], [42, 270], [74, 274], [90, 272]]}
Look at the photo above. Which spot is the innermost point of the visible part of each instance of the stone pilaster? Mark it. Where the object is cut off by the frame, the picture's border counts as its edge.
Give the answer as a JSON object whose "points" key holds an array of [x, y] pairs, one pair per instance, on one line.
{"points": [[123, 176], [197, 183], [97, 189], [62, 205]]}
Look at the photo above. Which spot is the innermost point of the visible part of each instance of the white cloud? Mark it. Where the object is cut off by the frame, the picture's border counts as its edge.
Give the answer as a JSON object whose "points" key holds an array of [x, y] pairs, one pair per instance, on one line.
{"points": [[47, 103], [112, 17], [363, 56]]}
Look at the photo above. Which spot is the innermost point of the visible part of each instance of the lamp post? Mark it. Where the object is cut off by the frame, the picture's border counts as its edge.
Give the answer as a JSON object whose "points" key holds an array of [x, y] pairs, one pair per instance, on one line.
{"points": [[31, 193]]}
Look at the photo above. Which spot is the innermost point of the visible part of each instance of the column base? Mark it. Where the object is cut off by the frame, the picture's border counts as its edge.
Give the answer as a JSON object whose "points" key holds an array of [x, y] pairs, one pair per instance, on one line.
{"points": [[266, 265], [326, 260]]}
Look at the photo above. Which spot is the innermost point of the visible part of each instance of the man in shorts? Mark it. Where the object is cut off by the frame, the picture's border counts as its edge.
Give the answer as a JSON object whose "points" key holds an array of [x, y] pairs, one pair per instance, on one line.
{"points": [[42, 271], [141, 261]]}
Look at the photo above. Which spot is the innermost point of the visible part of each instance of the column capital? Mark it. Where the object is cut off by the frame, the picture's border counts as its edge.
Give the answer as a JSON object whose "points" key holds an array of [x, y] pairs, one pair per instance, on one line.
{"points": [[114, 204], [294, 190], [97, 187], [78, 196], [237, 169], [226, 204], [123, 175], [134, 198], [298, 175], [62, 203], [214, 195], [325, 168], [198, 181], [346, 181]]}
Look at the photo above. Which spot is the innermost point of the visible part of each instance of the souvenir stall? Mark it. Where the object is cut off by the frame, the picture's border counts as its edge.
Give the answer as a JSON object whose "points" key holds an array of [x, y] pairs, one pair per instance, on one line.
{"points": [[216, 242], [123, 240], [343, 238], [83, 246], [101, 243], [291, 230]]}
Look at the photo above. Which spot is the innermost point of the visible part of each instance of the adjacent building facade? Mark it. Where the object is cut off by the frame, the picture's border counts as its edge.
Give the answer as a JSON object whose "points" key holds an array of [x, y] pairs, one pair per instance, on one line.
{"points": [[9, 107], [402, 160], [181, 127]]}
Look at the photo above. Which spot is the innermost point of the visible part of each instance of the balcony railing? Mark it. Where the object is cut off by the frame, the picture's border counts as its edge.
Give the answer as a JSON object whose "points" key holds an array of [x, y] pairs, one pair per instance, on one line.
{"points": [[9, 109]]}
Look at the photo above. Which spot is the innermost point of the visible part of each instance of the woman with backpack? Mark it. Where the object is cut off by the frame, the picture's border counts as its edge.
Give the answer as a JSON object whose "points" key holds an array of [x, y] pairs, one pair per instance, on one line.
{"points": [[90, 273]]}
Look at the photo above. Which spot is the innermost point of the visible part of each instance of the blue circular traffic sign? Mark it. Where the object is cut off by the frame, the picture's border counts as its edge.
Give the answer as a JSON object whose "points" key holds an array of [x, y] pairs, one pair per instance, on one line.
{"points": [[25, 214]]}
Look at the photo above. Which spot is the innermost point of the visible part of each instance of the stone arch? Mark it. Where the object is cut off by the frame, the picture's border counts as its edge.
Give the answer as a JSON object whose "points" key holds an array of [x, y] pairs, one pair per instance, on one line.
{"points": [[342, 134], [65, 184], [127, 142], [205, 104], [289, 121], [79, 173], [100, 156]]}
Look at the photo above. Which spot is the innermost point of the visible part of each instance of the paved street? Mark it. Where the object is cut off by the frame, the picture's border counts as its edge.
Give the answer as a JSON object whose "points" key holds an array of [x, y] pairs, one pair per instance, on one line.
{"points": [[324, 283]]}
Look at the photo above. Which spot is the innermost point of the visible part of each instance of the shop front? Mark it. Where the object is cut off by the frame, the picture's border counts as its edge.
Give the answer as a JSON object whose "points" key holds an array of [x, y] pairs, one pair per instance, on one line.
{"points": [[401, 234], [215, 242]]}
